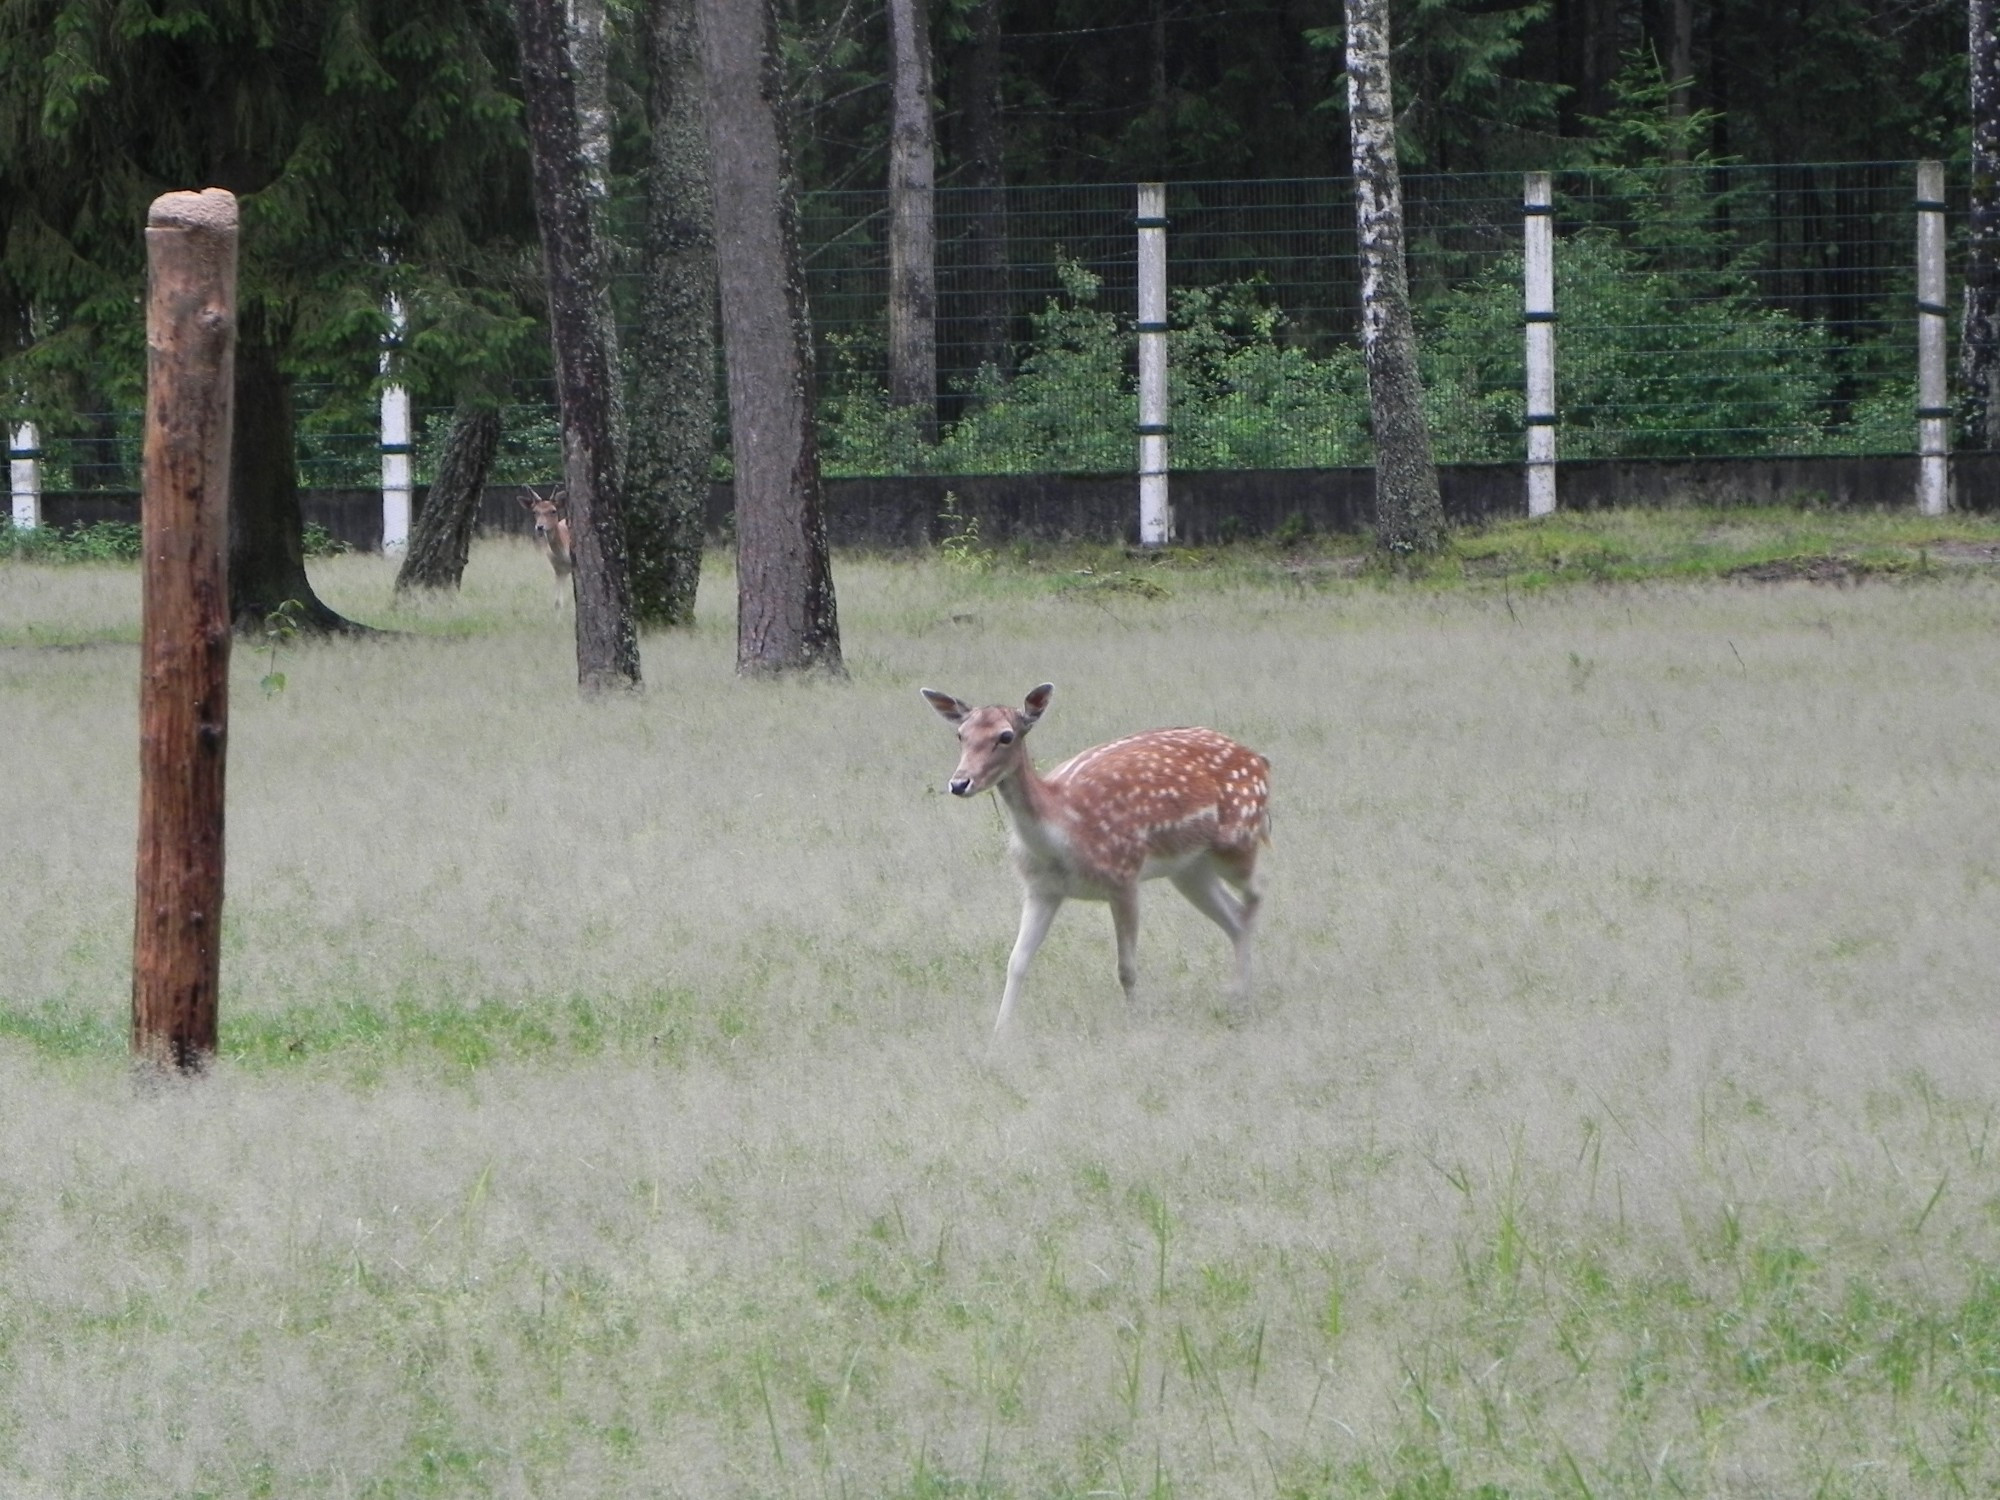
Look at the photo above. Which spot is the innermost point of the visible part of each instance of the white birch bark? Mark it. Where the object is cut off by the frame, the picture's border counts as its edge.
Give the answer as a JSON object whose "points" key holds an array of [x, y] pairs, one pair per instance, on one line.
{"points": [[1409, 517], [1979, 343], [912, 224]]}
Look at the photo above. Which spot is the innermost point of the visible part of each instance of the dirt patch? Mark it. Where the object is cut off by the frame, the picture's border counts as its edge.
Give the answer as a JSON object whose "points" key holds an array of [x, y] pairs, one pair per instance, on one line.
{"points": [[1967, 552], [1307, 570], [1813, 570]]}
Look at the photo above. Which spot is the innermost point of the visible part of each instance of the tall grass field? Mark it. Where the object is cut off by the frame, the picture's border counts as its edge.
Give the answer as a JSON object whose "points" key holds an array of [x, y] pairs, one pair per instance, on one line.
{"points": [[607, 1105]]}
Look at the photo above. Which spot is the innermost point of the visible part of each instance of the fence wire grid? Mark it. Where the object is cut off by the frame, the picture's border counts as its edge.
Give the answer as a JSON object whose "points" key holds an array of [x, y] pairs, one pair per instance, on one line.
{"points": [[1731, 311]]}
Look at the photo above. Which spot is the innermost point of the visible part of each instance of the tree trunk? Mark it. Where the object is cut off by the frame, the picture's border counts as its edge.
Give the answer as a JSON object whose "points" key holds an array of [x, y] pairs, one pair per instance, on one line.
{"points": [[912, 233], [1409, 517], [1588, 42], [1979, 348], [785, 614], [441, 536], [267, 563], [1680, 71], [567, 169], [981, 155], [673, 435]]}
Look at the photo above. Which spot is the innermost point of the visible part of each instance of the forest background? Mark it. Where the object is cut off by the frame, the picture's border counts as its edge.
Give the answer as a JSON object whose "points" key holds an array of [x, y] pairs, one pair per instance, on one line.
{"points": [[380, 152]]}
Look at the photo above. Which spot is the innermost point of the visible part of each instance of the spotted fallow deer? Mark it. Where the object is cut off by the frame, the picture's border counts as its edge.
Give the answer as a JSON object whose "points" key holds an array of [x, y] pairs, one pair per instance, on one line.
{"points": [[552, 537], [1187, 804]]}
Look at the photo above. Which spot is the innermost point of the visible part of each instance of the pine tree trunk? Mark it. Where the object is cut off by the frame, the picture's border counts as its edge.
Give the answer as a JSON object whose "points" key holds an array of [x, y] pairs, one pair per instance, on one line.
{"points": [[1680, 70], [673, 430], [267, 563], [441, 536], [983, 160], [1979, 348], [785, 613], [912, 232], [564, 124], [1409, 517]]}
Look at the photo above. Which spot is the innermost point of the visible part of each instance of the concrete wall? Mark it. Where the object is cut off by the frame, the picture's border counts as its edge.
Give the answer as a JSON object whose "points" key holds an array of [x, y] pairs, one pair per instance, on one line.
{"points": [[1221, 504]]}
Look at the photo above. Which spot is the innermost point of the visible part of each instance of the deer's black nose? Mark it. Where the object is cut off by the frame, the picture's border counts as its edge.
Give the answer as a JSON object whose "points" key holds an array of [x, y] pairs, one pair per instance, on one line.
{"points": [[961, 786]]}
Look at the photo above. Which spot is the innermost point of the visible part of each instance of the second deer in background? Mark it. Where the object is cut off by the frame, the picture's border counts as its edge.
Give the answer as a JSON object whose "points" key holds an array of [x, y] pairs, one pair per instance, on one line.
{"points": [[552, 537]]}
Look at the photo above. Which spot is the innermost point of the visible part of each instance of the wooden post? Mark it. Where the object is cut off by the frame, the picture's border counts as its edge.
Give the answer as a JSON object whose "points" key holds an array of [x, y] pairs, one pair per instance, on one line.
{"points": [[1156, 515], [1539, 313], [24, 470], [397, 492], [1933, 410], [184, 647]]}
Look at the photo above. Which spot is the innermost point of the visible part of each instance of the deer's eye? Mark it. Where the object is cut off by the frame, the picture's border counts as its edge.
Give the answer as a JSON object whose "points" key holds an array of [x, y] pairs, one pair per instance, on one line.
{"points": [[1006, 737]]}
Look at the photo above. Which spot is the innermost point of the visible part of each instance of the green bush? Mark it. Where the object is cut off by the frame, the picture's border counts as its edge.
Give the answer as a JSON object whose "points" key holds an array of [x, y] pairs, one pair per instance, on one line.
{"points": [[1643, 368], [1241, 396], [99, 542]]}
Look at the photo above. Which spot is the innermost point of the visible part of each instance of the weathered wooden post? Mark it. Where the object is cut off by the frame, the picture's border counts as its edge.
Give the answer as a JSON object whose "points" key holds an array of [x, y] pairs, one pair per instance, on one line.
{"points": [[1933, 408], [1156, 515], [1539, 313], [184, 647], [24, 473]]}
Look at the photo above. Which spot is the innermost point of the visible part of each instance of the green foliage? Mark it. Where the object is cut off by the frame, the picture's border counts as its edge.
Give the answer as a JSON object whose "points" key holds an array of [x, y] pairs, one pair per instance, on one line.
{"points": [[97, 542], [371, 152], [960, 546], [281, 628], [530, 450], [1242, 396], [317, 541], [1070, 409], [1645, 365], [1460, 94]]}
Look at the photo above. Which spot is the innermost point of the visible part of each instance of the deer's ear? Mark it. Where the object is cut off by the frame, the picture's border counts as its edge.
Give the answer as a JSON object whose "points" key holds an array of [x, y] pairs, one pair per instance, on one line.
{"points": [[945, 704], [1037, 703]]}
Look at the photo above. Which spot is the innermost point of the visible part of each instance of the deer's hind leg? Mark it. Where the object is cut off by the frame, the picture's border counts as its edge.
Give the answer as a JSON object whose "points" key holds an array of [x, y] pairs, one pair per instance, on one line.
{"points": [[1206, 883]]}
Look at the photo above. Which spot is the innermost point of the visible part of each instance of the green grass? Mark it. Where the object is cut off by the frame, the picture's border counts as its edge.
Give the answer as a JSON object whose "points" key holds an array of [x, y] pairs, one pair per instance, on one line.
{"points": [[606, 1104]]}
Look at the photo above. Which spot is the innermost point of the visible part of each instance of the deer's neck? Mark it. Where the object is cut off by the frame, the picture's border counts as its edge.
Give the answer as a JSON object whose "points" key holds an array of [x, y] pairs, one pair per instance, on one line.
{"points": [[1030, 801]]}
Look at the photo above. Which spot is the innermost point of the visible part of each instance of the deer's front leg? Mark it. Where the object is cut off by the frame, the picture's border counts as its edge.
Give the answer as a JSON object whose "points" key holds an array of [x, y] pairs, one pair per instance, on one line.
{"points": [[1125, 925], [1037, 911]]}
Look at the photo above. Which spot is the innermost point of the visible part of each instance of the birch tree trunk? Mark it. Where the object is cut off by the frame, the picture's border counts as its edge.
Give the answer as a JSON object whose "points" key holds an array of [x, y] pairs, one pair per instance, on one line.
{"points": [[1409, 517], [672, 444], [785, 614], [912, 233], [568, 142], [441, 535], [1979, 346]]}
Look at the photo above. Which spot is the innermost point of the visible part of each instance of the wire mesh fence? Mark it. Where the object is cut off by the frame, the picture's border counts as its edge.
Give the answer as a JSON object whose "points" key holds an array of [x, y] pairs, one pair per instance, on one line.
{"points": [[1703, 311]]}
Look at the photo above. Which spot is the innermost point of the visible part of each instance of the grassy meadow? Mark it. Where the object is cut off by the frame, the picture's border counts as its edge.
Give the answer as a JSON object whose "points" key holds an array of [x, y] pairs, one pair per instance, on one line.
{"points": [[607, 1106]]}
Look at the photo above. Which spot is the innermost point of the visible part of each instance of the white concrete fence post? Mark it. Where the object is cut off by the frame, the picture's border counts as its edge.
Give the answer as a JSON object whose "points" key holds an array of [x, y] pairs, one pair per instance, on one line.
{"points": [[1538, 298], [24, 471], [397, 488], [1156, 516], [1933, 408]]}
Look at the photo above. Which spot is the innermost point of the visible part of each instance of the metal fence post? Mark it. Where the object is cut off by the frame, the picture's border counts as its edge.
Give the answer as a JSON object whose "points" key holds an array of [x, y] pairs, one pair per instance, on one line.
{"points": [[396, 449], [1933, 412], [1539, 314], [1156, 519], [24, 468]]}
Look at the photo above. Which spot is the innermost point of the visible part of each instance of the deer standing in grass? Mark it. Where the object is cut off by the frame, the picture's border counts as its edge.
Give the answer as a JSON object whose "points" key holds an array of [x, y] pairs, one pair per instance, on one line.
{"points": [[1187, 804], [552, 537]]}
